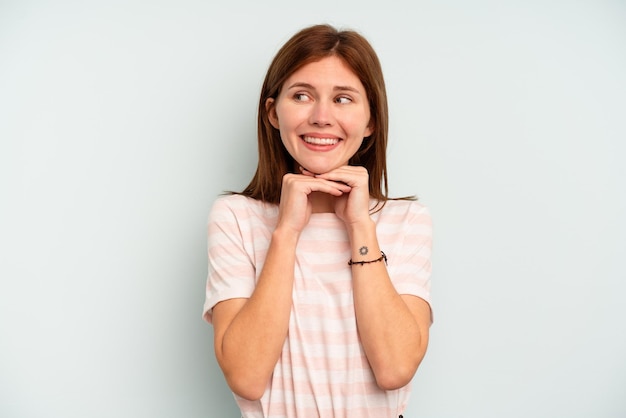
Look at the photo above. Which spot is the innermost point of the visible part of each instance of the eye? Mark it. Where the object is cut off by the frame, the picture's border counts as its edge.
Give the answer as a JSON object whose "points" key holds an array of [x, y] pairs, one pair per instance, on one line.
{"points": [[343, 100], [301, 97]]}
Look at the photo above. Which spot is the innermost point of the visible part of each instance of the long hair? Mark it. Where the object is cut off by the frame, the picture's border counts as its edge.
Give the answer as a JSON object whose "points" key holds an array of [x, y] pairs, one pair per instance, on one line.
{"points": [[309, 45]]}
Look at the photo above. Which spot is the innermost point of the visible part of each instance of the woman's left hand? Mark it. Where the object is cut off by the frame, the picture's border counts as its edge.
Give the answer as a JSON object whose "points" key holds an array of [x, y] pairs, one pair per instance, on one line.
{"points": [[352, 207]]}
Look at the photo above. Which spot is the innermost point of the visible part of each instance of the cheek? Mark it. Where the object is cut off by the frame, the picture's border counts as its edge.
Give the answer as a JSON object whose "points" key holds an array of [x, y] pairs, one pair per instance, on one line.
{"points": [[287, 134], [359, 126], [287, 138], [287, 119], [358, 120]]}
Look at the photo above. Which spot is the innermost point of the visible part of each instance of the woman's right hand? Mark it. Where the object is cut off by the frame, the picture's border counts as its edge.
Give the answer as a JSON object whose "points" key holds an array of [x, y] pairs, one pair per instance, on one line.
{"points": [[295, 205]]}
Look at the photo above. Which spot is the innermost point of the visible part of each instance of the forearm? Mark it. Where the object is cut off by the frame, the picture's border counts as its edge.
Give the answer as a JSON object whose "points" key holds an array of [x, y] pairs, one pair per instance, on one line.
{"points": [[252, 343], [389, 332]]}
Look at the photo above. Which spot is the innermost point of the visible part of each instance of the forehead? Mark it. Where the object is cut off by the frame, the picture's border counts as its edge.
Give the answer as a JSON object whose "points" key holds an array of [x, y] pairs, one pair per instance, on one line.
{"points": [[330, 70]]}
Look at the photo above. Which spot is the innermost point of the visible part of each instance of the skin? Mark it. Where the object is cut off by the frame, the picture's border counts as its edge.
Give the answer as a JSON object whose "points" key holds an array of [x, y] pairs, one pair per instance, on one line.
{"points": [[323, 99]]}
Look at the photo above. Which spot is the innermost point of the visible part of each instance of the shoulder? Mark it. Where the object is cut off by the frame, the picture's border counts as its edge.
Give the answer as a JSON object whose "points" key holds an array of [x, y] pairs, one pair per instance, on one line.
{"points": [[404, 217], [232, 202], [240, 207], [404, 209]]}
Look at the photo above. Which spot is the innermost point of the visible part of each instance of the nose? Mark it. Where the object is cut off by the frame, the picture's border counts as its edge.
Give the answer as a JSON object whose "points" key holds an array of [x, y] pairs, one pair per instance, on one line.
{"points": [[321, 114]]}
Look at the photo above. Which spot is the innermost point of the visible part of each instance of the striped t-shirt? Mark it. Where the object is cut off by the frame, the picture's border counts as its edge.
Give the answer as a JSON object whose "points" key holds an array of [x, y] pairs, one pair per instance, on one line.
{"points": [[322, 370]]}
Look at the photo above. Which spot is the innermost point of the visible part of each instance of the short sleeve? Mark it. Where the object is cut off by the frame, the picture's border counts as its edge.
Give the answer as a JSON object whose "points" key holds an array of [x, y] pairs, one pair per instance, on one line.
{"points": [[231, 270], [410, 268]]}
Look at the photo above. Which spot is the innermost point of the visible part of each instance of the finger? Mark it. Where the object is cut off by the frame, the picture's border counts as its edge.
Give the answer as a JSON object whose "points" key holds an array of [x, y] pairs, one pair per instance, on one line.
{"points": [[308, 184], [350, 177], [329, 186], [346, 170]]}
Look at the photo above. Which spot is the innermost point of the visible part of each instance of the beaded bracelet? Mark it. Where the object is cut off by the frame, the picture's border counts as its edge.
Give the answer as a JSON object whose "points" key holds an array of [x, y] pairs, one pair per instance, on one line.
{"points": [[381, 258]]}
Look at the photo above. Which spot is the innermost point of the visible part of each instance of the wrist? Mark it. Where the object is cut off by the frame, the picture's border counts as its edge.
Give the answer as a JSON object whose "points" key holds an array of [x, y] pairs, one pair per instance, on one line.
{"points": [[383, 257], [285, 236], [365, 227]]}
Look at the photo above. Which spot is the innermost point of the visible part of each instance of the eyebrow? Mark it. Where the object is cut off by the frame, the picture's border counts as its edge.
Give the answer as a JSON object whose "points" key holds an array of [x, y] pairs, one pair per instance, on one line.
{"points": [[336, 88]]}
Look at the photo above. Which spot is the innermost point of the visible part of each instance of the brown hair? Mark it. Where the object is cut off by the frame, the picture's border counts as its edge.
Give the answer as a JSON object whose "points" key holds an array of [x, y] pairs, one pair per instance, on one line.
{"points": [[309, 45]]}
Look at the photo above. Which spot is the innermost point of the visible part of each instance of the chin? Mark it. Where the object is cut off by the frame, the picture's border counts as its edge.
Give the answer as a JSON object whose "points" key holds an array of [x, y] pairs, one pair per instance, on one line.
{"points": [[320, 168]]}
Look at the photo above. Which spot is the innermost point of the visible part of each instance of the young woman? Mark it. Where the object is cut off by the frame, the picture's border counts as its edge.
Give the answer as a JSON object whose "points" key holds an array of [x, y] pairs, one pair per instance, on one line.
{"points": [[318, 284]]}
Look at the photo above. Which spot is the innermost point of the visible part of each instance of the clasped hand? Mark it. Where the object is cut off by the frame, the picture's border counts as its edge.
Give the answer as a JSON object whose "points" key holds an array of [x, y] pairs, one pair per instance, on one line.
{"points": [[347, 187]]}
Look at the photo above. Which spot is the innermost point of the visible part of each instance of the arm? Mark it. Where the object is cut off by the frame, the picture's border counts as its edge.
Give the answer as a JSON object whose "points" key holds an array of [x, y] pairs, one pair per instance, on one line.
{"points": [[250, 333], [393, 327]]}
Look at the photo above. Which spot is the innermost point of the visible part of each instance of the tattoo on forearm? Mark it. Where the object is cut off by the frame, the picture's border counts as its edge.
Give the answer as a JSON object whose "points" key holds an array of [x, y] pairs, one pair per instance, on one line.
{"points": [[363, 250]]}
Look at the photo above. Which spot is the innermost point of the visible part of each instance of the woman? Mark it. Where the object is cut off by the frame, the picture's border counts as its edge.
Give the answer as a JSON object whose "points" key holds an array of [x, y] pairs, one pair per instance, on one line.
{"points": [[310, 317]]}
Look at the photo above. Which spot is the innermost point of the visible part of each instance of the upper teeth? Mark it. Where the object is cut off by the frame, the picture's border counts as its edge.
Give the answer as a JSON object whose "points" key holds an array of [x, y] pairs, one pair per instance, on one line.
{"points": [[320, 141]]}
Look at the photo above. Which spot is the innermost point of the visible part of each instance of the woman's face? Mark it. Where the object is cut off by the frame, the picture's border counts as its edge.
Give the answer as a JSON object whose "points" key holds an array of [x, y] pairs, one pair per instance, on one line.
{"points": [[322, 113]]}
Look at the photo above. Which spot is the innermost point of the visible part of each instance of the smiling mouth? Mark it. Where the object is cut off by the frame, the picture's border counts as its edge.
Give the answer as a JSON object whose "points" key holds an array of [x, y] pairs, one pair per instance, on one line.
{"points": [[320, 141]]}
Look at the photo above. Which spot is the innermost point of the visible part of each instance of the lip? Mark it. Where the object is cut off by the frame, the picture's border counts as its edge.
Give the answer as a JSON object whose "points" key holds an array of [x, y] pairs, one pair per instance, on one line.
{"points": [[320, 142], [320, 139]]}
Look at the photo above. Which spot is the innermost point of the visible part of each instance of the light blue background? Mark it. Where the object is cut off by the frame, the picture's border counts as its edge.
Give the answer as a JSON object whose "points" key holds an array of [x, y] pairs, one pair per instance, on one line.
{"points": [[121, 121]]}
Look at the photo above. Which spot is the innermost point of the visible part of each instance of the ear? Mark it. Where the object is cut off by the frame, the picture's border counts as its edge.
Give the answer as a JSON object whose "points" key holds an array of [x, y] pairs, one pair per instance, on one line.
{"points": [[270, 108]]}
